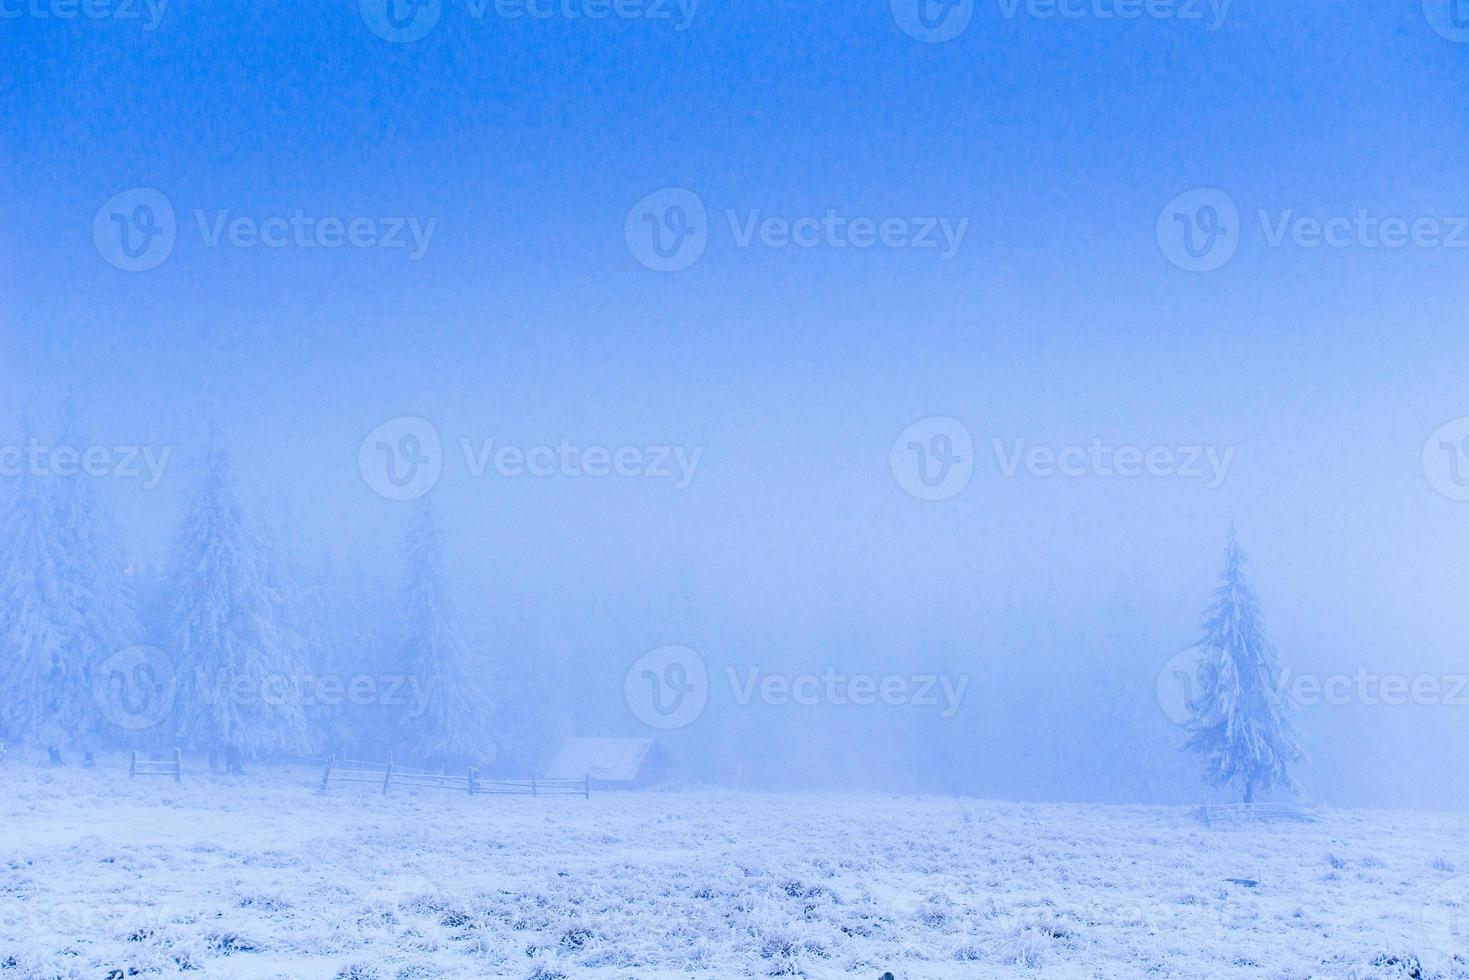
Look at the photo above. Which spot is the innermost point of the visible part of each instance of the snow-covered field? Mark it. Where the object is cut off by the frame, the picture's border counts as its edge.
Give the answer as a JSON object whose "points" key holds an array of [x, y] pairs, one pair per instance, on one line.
{"points": [[260, 877]]}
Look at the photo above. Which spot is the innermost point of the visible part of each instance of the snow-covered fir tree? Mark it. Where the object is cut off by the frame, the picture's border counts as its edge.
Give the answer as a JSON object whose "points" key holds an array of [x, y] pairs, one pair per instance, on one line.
{"points": [[9, 501], [45, 689], [333, 648], [93, 571], [448, 714], [33, 680], [237, 672], [1239, 724]]}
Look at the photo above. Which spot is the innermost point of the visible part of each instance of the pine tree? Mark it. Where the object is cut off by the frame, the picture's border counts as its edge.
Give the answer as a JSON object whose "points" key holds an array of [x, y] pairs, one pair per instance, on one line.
{"points": [[8, 560], [92, 570], [1239, 724], [45, 691], [448, 719], [238, 678], [298, 607], [335, 650]]}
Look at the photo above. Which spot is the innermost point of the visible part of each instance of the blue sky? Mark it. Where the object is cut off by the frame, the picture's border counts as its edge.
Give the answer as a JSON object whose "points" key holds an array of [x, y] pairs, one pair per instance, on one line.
{"points": [[528, 318]]}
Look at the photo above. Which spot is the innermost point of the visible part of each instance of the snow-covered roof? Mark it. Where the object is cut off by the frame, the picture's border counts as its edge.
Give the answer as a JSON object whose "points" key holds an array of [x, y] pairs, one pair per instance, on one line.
{"points": [[609, 759]]}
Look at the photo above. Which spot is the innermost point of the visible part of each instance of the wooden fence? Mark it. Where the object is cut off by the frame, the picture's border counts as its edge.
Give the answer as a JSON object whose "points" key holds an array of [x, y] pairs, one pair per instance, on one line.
{"points": [[158, 767], [1235, 813], [390, 774]]}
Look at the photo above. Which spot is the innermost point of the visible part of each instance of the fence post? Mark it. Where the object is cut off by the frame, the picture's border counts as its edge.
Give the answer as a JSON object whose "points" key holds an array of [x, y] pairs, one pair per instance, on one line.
{"points": [[587, 786], [327, 774], [387, 776], [441, 775], [472, 773], [133, 766], [178, 765], [533, 791]]}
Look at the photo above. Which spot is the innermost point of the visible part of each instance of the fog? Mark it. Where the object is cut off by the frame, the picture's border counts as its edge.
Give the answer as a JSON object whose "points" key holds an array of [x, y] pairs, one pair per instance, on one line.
{"points": [[766, 510]]}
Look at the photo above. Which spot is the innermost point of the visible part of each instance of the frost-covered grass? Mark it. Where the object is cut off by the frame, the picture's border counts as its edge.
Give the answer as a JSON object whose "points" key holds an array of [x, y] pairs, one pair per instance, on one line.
{"points": [[261, 877]]}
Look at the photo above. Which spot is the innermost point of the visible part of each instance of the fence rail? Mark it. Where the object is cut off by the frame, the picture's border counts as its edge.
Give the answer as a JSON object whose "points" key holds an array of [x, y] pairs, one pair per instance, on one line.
{"points": [[534, 786], [388, 774], [1233, 813], [158, 767]]}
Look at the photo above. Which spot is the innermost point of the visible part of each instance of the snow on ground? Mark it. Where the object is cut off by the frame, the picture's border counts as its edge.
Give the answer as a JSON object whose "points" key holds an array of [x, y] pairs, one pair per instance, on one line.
{"points": [[261, 877]]}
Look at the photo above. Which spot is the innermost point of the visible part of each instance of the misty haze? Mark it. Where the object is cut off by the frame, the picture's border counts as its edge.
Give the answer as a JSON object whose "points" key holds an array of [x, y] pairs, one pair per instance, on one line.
{"points": [[693, 489]]}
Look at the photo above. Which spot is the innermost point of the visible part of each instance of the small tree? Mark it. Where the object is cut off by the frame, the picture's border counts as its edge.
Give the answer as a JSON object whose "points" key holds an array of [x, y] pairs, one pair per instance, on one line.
{"points": [[44, 689], [237, 667], [92, 569], [1239, 724], [448, 714]]}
